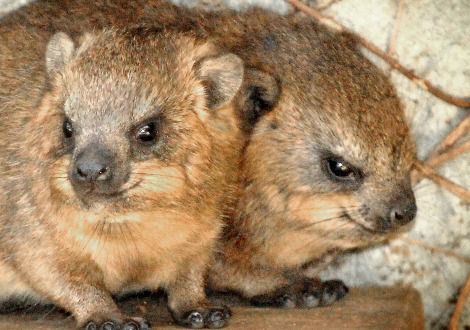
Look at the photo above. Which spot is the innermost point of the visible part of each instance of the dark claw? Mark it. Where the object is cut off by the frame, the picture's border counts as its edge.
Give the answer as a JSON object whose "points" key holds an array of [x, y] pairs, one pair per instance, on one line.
{"points": [[131, 325], [216, 320], [227, 313], [217, 317], [110, 325], [333, 290], [136, 323], [287, 301], [209, 318], [195, 320], [91, 326], [310, 299], [305, 293]]}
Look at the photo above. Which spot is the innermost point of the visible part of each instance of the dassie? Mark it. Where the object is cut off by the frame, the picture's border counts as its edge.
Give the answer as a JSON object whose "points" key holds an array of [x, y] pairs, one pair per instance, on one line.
{"points": [[326, 166], [113, 169]]}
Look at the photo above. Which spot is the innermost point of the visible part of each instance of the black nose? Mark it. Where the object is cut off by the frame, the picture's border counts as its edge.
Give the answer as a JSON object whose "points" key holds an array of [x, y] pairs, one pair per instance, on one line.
{"points": [[402, 212], [93, 166]]}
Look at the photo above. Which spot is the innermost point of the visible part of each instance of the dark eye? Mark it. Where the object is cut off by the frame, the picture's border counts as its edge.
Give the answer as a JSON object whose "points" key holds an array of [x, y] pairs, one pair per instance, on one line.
{"points": [[147, 133], [340, 169], [67, 129]]}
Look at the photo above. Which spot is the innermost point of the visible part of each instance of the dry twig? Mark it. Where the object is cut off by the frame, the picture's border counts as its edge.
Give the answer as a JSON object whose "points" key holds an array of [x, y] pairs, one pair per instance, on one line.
{"points": [[452, 137], [325, 5], [396, 25], [454, 188], [444, 151], [450, 154], [434, 248], [454, 321], [424, 84]]}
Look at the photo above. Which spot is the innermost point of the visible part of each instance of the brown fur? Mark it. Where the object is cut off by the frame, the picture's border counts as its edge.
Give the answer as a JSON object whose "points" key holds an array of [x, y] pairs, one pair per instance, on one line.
{"points": [[157, 228], [308, 96], [334, 104]]}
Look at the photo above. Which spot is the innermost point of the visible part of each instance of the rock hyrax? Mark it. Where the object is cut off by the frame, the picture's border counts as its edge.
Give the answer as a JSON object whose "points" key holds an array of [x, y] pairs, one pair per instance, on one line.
{"points": [[113, 169], [326, 168]]}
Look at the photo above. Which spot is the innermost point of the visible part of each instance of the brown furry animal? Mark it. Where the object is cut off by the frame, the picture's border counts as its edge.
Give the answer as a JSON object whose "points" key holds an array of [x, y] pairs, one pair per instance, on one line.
{"points": [[326, 168], [113, 169]]}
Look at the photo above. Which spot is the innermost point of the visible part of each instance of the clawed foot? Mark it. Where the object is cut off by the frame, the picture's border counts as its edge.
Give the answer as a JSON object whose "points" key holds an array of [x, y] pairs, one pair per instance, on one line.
{"points": [[324, 295], [204, 318], [134, 323], [309, 293]]}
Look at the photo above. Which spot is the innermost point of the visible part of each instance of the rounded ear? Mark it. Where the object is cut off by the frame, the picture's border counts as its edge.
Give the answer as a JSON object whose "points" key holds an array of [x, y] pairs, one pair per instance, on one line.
{"points": [[222, 76], [59, 51], [259, 95]]}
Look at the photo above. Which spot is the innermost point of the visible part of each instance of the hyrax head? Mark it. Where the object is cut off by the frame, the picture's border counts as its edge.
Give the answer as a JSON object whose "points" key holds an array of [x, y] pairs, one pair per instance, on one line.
{"points": [[335, 153], [127, 110]]}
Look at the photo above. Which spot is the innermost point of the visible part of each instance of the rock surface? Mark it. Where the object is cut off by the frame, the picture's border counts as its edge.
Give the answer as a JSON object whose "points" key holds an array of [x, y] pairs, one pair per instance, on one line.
{"points": [[364, 308]]}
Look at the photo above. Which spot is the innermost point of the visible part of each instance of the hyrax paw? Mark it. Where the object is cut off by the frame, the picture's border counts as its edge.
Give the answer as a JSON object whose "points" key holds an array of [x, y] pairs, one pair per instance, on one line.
{"points": [[134, 323], [318, 293], [279, 299], [307, 293], [205, 318], [334, 290]]}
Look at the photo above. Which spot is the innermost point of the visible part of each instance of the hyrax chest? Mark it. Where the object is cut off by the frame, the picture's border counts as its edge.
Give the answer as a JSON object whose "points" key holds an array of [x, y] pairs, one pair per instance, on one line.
{"points": [[136, 249]]}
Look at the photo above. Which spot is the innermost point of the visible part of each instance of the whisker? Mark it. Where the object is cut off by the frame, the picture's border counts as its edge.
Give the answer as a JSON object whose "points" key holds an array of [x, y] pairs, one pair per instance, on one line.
{"points": [[160, 175], [332, 209], [91, 236], [307, 242], [131, 232], [310, 224], [328, 219], [421, 186], [125, 235]]}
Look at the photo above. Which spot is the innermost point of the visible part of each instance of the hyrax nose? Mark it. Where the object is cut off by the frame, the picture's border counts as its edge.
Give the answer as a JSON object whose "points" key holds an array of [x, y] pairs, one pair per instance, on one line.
{"points": [[92, 167], [402, 211]]}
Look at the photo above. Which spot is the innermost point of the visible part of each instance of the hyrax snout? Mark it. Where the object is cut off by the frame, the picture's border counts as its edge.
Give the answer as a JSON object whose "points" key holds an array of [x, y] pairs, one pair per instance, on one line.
{"points": [[95, 170], [397, 208], [116, 179], [94, 165]]}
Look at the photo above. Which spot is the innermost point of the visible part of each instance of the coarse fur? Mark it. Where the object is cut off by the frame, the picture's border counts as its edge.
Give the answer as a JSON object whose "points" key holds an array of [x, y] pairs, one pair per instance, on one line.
{"points": [[153, 222], [310, 99], [335, 107]]}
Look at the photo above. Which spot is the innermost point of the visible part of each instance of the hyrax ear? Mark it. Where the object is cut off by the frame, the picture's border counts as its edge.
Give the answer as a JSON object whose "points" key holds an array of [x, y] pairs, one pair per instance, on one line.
{"points": [[259, 95], [59, 51], [222, 76]]}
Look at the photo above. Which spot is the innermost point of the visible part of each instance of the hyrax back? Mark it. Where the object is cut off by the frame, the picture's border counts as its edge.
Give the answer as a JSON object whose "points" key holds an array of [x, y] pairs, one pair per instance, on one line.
{"points": [[114, 166]]}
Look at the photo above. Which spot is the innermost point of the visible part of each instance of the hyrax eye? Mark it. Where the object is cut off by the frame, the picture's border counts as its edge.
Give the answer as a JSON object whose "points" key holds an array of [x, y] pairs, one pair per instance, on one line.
{"points": [[147, 133], [340, 169], [67, 128]]}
